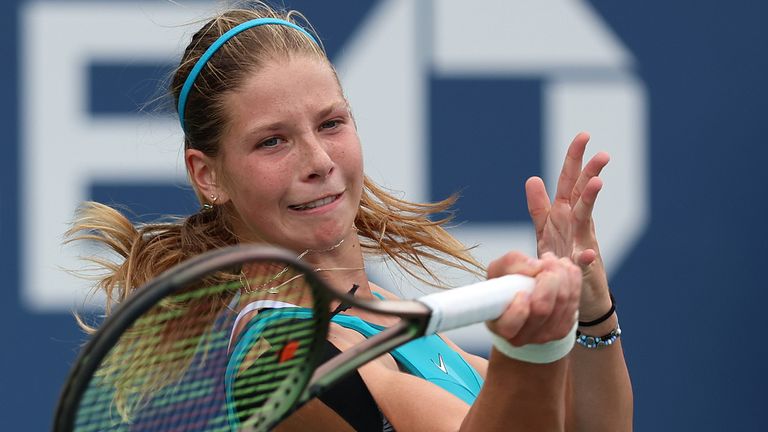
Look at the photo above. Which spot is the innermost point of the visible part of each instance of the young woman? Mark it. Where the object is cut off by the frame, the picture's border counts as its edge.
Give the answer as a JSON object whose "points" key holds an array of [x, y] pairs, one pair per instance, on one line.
{"points": [[273, 154]]}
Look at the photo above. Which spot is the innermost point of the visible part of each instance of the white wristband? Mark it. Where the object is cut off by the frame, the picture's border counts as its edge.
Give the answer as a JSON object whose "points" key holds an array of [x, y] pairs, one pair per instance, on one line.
{"points": [[548, 352]]}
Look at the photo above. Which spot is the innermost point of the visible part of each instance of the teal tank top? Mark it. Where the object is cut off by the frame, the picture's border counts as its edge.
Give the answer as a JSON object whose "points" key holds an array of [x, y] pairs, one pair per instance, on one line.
{"points": [[428, 357]]}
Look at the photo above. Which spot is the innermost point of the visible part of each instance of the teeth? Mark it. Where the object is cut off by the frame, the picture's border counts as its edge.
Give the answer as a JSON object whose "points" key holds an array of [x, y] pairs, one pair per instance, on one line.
{"points": [[314, 204]]}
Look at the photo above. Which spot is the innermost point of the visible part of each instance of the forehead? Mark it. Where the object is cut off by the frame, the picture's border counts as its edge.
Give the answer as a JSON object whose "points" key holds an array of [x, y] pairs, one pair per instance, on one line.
{"points": [[281, 90]]}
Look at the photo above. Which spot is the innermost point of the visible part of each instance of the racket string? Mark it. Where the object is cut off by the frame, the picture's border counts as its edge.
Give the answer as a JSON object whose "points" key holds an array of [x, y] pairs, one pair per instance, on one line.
{"points": [[167, 371]]}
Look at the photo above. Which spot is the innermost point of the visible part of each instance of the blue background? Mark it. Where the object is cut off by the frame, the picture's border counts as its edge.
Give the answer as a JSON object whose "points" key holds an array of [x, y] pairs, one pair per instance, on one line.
{"points": [[690, 296]]}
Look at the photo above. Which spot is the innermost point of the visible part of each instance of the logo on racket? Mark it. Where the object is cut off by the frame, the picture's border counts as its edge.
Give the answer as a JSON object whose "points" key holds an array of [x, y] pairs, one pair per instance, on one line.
{"points": [[288, 352]]}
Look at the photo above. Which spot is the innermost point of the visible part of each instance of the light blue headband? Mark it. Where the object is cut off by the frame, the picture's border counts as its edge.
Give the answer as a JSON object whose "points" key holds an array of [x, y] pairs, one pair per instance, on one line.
{"points": [[190, 81]]}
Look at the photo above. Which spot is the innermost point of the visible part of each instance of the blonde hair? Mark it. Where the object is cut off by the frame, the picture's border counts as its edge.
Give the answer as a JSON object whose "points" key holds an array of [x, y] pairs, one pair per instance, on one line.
{"points": [[387, 225]]}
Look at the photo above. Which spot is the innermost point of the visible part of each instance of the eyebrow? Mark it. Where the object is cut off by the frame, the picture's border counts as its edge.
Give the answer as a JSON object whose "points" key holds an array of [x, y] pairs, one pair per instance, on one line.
{"points": [[333, 107]]}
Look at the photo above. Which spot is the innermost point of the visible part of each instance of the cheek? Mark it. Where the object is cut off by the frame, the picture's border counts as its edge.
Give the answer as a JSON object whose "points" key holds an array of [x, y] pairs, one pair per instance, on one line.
{"points": [[255, 186], [351, 156], [353, 164], [257, 202]]}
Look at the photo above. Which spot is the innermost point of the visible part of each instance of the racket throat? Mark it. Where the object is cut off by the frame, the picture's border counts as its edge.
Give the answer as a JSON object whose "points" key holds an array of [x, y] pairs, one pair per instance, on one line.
{"points": [[348, 361]]}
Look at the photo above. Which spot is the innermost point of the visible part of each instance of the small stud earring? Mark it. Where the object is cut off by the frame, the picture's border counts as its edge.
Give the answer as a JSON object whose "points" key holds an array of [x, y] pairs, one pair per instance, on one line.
{"points": [[209, 206]]}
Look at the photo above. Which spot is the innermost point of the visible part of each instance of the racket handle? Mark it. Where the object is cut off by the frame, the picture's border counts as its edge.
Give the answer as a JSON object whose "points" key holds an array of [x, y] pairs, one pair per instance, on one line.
{"points": [[474, 303]]}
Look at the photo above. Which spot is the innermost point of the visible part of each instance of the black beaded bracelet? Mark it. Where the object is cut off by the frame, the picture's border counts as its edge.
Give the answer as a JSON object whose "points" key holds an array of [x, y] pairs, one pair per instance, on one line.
{"points": [[597, 321], [597, 342]]}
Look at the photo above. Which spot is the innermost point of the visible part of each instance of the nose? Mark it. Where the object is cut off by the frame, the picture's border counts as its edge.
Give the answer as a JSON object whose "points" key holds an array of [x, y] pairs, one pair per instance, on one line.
{"points": [[319, 163]]}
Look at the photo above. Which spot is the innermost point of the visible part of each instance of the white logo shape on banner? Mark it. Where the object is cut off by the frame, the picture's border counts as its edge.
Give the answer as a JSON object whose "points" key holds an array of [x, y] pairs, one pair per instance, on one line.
{"points": [[588, 84]]}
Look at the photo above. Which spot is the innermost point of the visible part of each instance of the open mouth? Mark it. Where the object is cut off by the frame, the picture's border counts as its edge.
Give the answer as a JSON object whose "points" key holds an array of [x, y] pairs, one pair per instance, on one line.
{"points": [[316, 203]]}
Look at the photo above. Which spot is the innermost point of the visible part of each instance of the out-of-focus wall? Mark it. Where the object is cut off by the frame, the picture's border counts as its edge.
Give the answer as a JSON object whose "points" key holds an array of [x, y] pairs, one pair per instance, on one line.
{"points": [[448, 96]]}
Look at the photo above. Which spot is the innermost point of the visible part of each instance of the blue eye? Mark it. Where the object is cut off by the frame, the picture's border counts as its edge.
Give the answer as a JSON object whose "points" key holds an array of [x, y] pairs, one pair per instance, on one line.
{"points": [[270, 142], [330, 124]]}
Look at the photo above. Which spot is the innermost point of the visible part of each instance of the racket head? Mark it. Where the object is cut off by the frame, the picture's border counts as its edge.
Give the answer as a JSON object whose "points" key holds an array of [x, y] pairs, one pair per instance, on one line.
{"points": [[159, 361]]}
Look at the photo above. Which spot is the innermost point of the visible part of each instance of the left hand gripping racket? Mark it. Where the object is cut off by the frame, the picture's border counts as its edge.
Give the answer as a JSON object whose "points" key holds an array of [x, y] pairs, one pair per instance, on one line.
{"points": [[164, 359]]}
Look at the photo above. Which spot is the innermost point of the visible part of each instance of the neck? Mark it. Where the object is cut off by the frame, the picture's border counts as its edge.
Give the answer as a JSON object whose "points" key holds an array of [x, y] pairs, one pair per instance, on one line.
{"points": [[341, 266]]}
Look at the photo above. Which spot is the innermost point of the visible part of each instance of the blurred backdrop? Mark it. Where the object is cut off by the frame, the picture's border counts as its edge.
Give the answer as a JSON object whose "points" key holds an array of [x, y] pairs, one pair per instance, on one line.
{"points": [[449, 96]]}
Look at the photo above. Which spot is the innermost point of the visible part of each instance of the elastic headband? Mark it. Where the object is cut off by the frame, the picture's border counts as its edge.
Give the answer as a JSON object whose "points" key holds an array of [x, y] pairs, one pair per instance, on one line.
{"points": [[190, 81]]}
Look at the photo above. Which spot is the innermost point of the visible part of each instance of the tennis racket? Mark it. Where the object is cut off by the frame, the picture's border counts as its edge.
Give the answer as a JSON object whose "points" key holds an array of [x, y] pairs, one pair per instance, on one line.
{"points": [[165, 359]]}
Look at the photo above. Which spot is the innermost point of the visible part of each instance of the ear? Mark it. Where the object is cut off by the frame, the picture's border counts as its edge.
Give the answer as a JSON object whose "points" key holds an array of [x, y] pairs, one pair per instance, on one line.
{"points": [[202, 173]]}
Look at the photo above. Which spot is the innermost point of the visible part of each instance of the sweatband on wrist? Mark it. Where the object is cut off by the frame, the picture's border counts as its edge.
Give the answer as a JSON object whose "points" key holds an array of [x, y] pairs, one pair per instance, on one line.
{"points": [[548, 352]]}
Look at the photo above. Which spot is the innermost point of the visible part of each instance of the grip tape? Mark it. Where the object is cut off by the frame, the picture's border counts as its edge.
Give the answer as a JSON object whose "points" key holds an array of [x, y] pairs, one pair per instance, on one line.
{"points": [[474, 303]]}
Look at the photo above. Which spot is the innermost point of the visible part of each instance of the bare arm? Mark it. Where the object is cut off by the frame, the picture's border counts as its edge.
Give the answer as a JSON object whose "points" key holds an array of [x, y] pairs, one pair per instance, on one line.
{"points": [[598, 382], [599, 394], [536, 385], [517, 395]]}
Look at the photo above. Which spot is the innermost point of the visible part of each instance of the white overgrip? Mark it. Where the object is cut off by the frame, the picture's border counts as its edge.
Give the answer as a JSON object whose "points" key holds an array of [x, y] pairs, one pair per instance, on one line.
{"points": [[474, 303]]}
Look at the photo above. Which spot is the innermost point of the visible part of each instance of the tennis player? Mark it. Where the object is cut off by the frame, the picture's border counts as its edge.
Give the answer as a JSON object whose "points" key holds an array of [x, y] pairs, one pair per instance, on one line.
{"points": [[272, 151]]}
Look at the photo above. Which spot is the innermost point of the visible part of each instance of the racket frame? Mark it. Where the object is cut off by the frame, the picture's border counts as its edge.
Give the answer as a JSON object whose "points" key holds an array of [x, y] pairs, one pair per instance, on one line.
{"points": [[148, 296]]}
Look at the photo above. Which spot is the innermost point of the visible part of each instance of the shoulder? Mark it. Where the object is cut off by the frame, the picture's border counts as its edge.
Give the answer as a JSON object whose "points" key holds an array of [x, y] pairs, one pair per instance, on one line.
{"points": [[388, 295]]}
